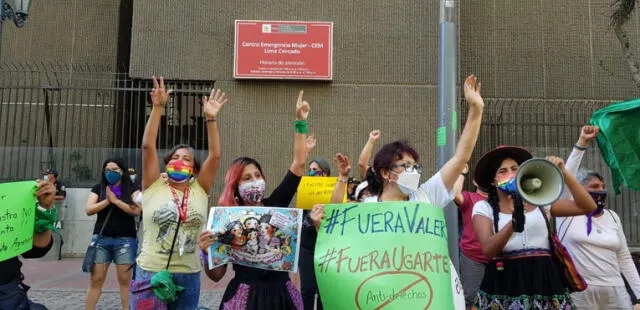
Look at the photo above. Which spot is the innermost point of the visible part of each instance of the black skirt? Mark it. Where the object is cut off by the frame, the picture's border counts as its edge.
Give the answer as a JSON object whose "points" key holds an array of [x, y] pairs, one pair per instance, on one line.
{"points": [[526, 279], [254, 288]]}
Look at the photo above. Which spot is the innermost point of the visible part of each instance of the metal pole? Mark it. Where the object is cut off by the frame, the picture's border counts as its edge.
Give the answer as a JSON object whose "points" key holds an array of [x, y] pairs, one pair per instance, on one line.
{"points": [[1, 22], [447, 116]]}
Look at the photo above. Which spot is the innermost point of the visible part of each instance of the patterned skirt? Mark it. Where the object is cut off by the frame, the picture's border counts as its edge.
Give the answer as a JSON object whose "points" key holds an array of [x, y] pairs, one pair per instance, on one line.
{"points": [[526, 279]]}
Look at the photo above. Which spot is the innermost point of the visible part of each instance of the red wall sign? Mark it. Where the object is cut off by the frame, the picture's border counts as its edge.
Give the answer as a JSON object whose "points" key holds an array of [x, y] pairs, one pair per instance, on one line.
{"points": [[283, 50]]}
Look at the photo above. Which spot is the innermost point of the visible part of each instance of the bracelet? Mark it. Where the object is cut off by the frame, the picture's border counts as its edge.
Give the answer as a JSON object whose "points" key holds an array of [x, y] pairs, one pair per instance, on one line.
{"points": [[342, 180], [206, 120], [582, 148], [300, 126]]}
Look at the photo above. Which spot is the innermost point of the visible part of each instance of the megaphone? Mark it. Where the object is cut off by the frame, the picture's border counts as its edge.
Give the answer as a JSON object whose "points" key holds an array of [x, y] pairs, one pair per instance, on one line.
{"points": [[539, 182]]}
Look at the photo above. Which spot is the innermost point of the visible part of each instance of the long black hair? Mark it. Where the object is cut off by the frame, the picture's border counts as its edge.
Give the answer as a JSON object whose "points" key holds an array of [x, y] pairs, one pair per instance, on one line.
{"points": [[126, 186], [494, 201]]}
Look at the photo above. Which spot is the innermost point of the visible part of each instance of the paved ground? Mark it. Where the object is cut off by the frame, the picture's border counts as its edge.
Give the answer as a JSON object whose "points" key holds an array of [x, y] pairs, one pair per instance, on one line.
{"points": [[62, 285]]}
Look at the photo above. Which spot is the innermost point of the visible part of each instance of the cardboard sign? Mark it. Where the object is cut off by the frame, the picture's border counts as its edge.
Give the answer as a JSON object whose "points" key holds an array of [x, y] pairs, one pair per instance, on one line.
{"points": [[316, 190], [17, 218], [390, 255], [283, 50]]}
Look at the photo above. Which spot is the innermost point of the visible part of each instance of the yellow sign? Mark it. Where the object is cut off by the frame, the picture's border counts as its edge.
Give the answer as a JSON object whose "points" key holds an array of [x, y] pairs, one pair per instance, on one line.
{"points": [[315, 190]]}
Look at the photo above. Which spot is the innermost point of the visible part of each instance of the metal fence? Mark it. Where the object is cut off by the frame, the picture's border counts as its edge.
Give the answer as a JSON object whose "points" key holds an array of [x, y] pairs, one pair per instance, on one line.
{"points": [[551, 127], [70, 118]]}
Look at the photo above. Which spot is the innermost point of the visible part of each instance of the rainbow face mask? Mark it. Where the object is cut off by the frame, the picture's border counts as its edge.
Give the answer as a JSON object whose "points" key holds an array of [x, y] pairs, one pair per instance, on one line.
{"points": [[508, 186], [179, 171]]}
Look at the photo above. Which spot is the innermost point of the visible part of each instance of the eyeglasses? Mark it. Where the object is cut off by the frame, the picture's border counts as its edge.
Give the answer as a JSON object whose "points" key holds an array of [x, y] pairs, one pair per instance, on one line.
{"points": [[409, 167]]}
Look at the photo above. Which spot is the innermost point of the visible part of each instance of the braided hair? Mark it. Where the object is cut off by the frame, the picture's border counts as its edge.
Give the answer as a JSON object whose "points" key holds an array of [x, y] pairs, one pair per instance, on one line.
{"points": [[494, 201]]}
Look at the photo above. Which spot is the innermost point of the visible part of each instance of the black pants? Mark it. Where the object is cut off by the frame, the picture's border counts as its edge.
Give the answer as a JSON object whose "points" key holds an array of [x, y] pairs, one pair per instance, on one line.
{"points": [[308, 284], [13, 296]]}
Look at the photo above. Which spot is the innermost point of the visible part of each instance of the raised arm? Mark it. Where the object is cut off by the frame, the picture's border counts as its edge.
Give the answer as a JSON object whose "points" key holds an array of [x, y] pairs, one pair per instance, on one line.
{"points": [[150, 167], [587, 134], [344, 168], [367, 151], [582, 203], [300, 126], [452, 169], [458, 198], [210, 107]]}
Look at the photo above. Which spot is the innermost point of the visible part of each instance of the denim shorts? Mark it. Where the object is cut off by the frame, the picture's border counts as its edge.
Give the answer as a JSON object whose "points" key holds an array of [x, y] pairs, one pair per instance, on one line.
{"points": [[187, 299], [121, 251]]}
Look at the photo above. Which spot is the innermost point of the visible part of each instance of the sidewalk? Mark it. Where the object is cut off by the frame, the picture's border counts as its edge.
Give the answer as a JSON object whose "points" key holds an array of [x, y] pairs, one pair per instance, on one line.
{"points": [[62, 285]]}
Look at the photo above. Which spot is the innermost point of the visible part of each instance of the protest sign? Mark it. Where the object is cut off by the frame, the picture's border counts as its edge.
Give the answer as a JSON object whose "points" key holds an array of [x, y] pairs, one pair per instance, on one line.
{"points": [[259, 237], [17, 218], [315, 190], [390, 255]]}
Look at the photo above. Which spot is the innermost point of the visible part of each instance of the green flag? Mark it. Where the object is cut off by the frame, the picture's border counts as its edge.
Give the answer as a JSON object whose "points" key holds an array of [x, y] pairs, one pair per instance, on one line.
{"points": [[619, 141]]}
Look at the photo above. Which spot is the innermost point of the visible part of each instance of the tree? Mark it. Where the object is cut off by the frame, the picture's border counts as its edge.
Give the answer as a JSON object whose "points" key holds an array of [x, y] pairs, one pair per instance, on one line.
{"points": [[623, 10]]}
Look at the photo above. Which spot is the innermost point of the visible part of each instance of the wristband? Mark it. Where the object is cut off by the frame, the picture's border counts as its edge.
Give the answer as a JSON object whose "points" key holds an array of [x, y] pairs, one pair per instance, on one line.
{"points": [[300, 127], [206, 120], [582, 148], [342, 180]]}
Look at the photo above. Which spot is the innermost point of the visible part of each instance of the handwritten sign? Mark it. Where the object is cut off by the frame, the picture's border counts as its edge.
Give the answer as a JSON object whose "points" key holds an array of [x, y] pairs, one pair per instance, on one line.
{"points": [[259, 237], [17, 218], [390, 255], [315, 190]]}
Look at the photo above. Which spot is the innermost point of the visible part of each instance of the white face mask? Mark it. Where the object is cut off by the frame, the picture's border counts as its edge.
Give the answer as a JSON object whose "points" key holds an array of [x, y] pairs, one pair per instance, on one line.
{"points": [[252, 192], [132, 177], [407, 181]]}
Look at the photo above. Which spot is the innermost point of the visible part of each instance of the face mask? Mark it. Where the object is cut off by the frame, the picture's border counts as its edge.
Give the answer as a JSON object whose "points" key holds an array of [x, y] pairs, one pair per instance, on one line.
{"points": [[179, 171], [407, 181], [112, 177], [315, 173], [600, 197], [132, 178], [252, 192], [508, 186]]}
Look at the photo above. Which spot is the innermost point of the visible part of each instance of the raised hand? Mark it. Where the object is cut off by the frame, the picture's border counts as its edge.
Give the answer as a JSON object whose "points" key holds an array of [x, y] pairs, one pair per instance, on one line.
{"points": [[310, 143], [302, 107], [159, 95], [587, 134], [374, 135], [46, 194], [557, 161], [344, 166], [472, 92], [211, 105]]}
